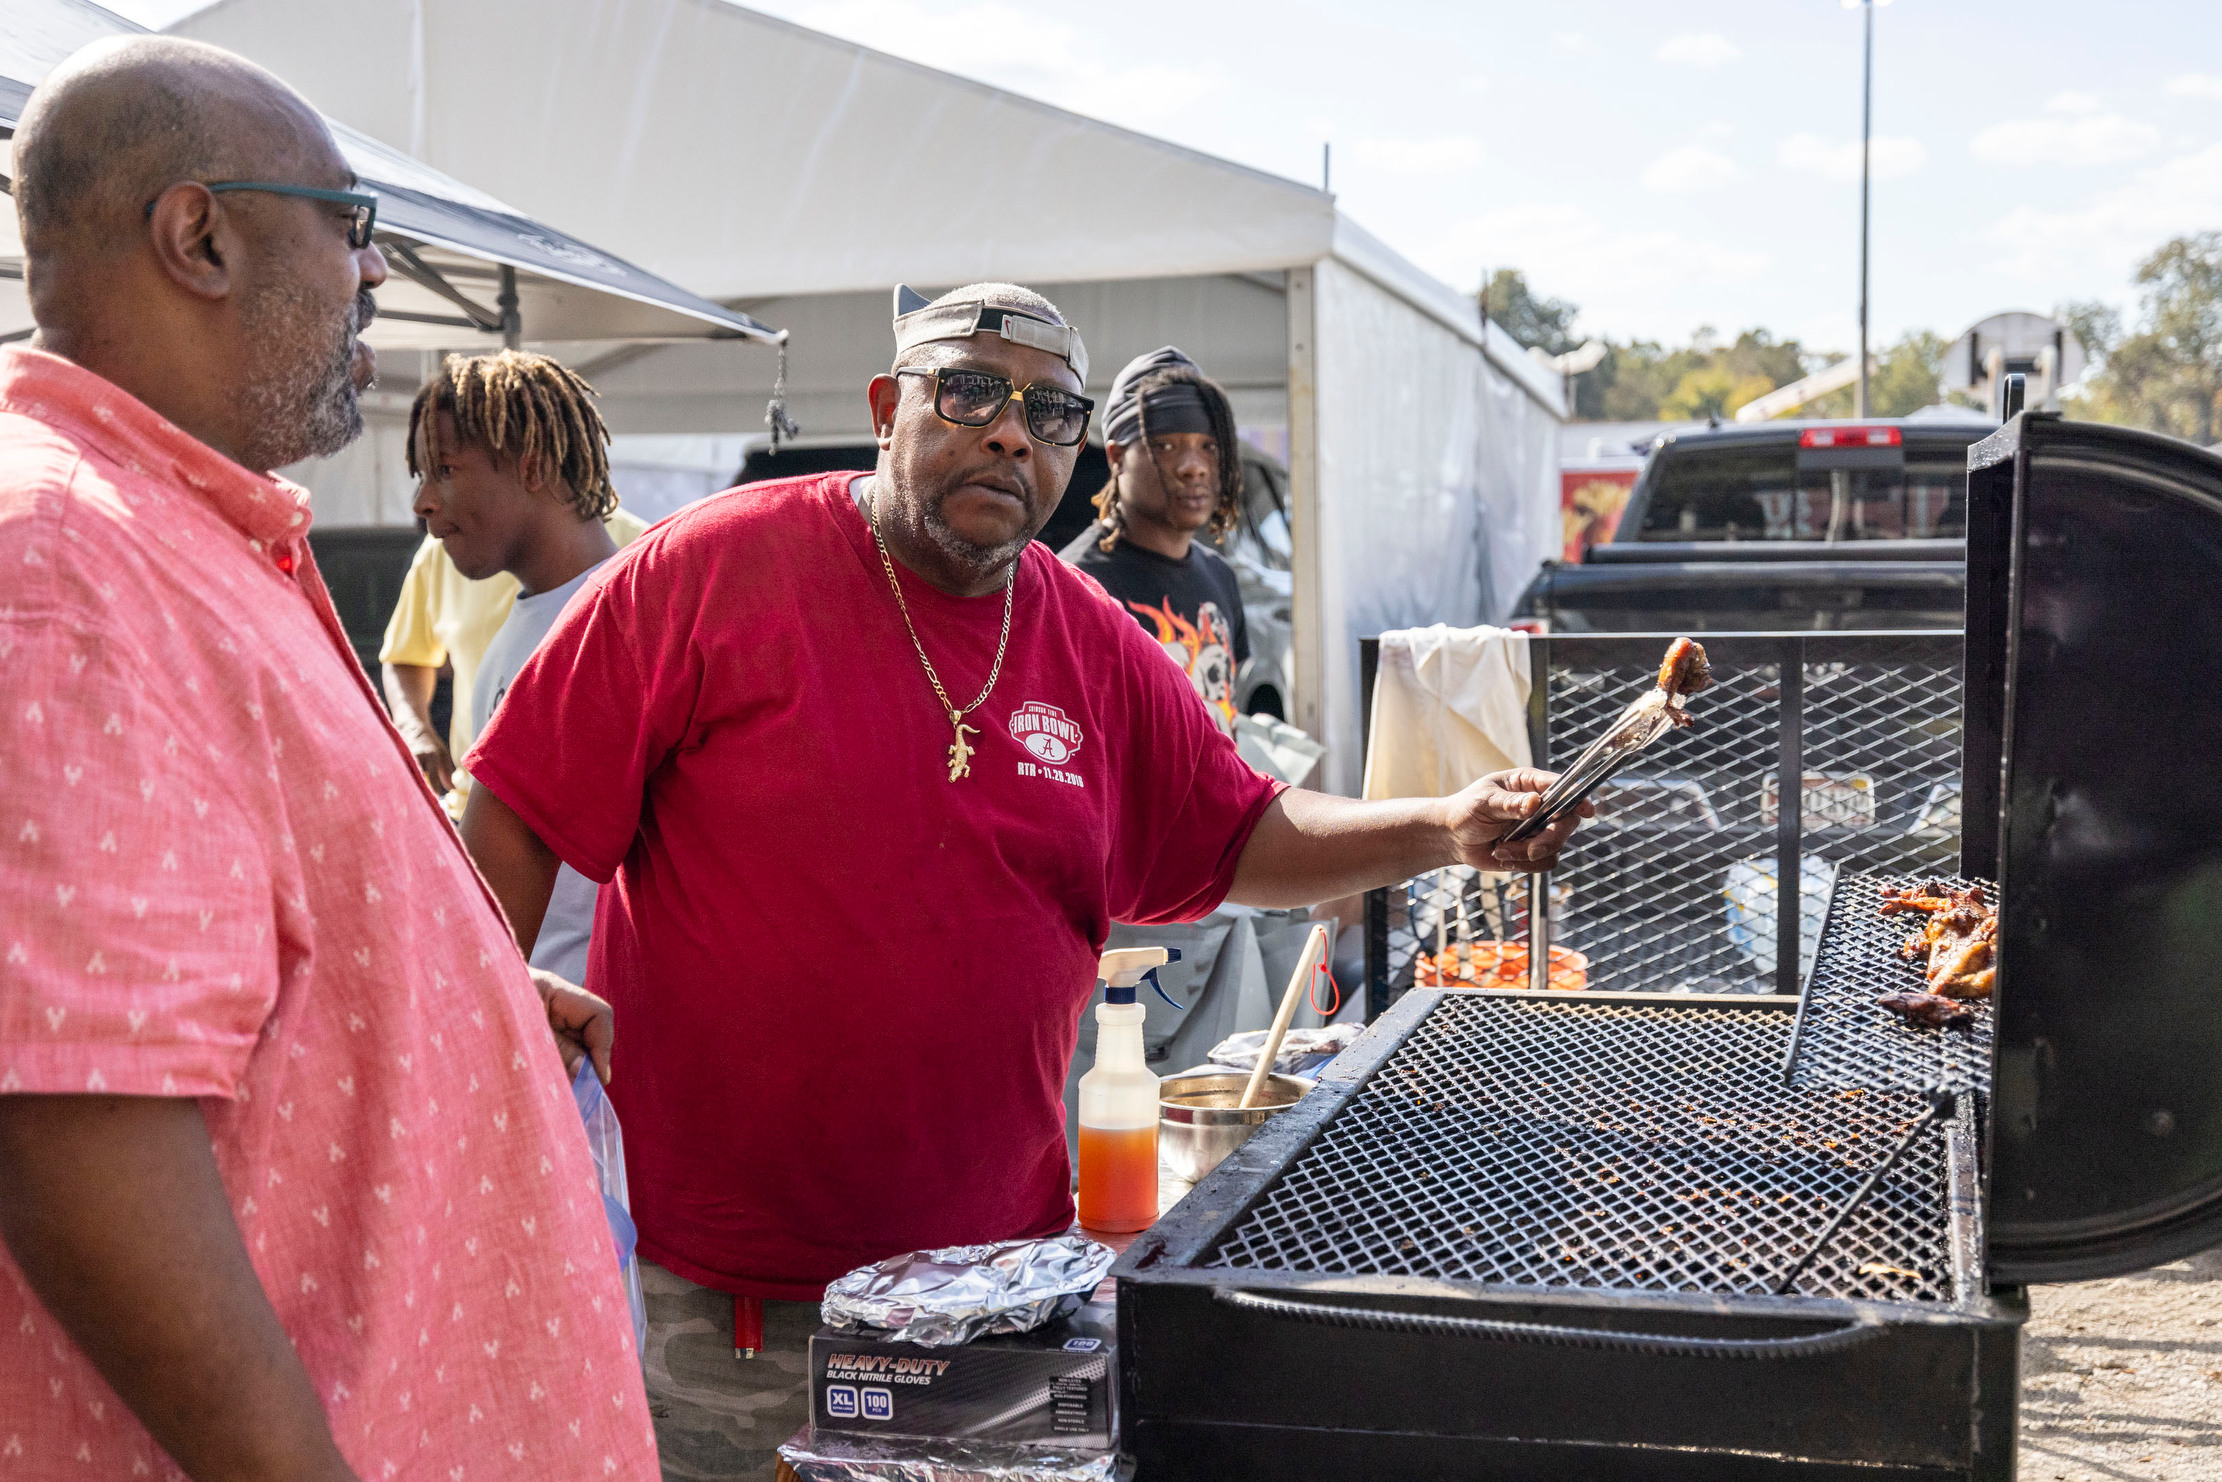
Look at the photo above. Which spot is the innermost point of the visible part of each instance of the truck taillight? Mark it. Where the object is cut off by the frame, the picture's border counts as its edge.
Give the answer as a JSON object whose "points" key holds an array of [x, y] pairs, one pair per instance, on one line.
{"points": [[1849, 437]]}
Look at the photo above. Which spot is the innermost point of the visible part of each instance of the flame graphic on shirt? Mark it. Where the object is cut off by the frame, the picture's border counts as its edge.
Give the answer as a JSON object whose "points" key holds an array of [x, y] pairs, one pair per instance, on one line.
{"points": [[1204, 650]]}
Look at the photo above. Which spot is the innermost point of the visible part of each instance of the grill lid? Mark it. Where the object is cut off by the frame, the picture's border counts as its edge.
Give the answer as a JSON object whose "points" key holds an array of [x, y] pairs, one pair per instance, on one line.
{"points": [[2094, 792]]}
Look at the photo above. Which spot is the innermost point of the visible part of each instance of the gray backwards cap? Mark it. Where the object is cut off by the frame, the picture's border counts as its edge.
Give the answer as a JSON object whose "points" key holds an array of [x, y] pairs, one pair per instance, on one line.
{"points": [[919, 321]]}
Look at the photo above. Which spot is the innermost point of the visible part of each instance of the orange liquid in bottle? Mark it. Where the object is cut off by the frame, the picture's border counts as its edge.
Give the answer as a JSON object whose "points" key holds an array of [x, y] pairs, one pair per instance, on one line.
{"points": [[1118, 1178]]}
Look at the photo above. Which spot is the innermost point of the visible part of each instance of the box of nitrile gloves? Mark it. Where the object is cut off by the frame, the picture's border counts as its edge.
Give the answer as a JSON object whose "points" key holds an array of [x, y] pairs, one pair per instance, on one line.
{"points": [[1054, 1384]]}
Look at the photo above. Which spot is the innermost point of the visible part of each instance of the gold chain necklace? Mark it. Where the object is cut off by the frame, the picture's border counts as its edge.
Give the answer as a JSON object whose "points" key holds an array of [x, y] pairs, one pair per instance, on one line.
{"points": [[960, 751]]}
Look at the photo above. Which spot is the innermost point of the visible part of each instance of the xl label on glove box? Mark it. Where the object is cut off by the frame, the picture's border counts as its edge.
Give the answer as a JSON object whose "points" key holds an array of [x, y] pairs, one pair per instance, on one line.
{"points": [[1054, 1384]]}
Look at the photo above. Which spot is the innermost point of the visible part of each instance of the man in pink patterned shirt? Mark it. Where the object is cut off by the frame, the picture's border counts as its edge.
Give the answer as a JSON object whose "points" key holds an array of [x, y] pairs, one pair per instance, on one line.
{"points": [[291, 1184]]}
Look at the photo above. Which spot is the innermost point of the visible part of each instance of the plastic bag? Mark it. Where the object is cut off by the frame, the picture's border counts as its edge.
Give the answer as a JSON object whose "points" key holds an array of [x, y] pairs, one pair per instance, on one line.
{"points": [[606, 1140], [1302, 1050]]}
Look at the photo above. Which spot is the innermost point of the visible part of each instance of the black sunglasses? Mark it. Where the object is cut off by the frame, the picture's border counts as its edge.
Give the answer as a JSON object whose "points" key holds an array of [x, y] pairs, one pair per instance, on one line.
{"points": [[360, 221], [972, 398]]}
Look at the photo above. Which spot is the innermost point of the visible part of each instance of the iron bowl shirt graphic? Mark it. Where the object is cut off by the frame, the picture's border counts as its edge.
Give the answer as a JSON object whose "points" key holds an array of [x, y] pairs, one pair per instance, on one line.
{"points": [[1045, 731]]}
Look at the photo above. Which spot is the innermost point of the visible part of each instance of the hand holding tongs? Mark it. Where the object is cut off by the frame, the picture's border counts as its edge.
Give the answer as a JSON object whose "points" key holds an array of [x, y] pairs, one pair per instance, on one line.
{"points": [[1683, 673]]}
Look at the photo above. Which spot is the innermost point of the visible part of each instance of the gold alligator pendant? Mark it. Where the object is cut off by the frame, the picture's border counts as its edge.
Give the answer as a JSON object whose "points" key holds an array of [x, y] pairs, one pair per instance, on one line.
{"points": [[960, 753]]}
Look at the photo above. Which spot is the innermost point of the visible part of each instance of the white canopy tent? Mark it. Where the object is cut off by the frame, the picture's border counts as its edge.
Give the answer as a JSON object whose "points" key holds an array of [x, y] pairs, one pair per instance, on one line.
{"points": [[798, 177], [443, 239]]}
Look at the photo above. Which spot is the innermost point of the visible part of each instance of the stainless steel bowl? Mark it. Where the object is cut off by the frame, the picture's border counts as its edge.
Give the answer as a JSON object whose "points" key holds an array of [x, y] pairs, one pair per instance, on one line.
{"points": [[1200, 1119]]}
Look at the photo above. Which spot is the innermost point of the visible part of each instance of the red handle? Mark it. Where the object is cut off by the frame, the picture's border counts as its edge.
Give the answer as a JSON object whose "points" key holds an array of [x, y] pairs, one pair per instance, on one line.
{"points": [[748, 1326]]}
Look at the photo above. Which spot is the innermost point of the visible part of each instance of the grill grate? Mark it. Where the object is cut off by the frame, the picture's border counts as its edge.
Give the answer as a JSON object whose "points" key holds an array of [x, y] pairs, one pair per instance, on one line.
{"points": [[1589, 1143], [1843, 1040]]}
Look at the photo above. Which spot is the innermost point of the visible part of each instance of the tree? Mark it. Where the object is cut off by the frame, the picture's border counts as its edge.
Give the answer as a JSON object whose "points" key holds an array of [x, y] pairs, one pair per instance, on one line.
{"points": [[1641, 381], [1545, 324], [2166, 375], [1905, 379], [2098, 325], [1712, 391]]}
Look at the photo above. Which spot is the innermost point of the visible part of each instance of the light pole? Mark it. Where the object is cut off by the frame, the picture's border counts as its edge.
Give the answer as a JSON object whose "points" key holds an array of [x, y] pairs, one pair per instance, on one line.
{"points": [[1866, 131]]}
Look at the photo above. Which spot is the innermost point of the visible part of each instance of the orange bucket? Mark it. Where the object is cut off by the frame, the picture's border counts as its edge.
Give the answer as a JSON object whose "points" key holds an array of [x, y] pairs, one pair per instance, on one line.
{"points": [[1496, 965]]}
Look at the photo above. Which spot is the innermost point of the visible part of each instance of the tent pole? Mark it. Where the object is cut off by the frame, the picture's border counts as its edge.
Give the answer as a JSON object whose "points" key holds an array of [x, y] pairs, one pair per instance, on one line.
{"points": [[1308, 705], [512, 322]]}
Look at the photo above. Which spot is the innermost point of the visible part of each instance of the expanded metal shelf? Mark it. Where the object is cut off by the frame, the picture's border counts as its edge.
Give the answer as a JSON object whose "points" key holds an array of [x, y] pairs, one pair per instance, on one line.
{"points": [[1580, 1141], [1843, 1039]]}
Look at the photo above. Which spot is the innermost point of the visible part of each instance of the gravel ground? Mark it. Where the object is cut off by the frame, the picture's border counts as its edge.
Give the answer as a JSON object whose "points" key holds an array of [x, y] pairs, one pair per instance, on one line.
{"points": [[2124, 1378]]}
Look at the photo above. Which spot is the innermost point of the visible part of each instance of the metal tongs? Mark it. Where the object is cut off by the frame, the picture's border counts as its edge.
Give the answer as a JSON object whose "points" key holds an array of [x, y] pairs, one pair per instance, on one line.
{"points": [[1637, 727], [1683, 673]]}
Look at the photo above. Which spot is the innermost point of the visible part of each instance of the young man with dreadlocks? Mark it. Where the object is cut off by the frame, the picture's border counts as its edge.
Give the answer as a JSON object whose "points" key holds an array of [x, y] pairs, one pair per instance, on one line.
{"points": [[512, 464], [1175, 470]]}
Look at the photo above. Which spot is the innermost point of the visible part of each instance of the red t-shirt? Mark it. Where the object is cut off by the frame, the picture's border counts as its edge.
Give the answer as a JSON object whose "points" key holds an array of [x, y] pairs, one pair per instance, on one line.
{"points": [[847, 988]]}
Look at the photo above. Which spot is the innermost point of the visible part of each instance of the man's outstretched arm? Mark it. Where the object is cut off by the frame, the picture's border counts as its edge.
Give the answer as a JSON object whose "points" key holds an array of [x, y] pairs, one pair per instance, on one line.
{"points": [[113, 1209], [1311, 846]]}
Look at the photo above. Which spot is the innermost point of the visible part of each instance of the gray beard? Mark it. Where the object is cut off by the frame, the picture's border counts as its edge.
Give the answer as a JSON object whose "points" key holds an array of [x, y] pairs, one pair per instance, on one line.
{"points": [[981, 561], [302, 396]]}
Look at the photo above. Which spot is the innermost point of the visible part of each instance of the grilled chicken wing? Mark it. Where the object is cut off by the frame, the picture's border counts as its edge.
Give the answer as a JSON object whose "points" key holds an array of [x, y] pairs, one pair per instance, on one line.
{"points": [[1683, 673], [1958, 946], [1934, 1010]]}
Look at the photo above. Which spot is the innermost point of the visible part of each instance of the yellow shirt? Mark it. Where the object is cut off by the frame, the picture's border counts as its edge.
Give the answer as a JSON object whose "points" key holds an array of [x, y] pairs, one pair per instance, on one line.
{"points": [[443, 617]]}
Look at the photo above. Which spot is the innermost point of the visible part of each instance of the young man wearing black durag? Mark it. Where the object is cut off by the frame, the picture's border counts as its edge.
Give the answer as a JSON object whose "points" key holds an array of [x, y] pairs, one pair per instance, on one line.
{"points": [[1175, 472]]}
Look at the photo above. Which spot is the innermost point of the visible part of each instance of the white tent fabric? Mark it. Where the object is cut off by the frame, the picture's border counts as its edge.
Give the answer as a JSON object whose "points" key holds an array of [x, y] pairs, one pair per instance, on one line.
{"points": [[745, 156], [798, 176], [449, 245]]}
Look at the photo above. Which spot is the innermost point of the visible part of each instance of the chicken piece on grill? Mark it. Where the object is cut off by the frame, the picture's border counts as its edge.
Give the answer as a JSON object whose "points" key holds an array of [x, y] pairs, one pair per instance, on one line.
{"points": [[1927, 896], [1959, 945], [1962, 960], [1931, 1009], [1683, 673]]}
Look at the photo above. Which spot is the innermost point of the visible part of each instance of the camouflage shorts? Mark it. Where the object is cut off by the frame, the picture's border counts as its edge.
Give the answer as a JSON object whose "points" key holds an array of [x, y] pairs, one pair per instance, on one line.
{"points": [[718, 1418]]}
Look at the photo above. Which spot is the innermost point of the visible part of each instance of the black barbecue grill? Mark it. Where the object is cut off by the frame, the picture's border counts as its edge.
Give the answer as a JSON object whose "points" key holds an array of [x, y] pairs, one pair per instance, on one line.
{"points": [[1640, 1235]]}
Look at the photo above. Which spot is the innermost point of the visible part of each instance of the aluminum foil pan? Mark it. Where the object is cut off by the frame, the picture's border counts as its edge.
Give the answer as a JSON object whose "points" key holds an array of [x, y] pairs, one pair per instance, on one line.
{"points": [[963, 1292], [825, 1456]]}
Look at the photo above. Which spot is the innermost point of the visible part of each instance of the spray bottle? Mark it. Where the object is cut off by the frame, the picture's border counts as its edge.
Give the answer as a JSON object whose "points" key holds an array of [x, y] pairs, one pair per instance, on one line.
{"points": [[1118, 1100]]}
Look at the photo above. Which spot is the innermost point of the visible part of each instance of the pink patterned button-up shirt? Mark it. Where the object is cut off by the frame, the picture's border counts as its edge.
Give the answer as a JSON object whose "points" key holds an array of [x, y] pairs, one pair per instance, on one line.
{"points": [[221, 876]]}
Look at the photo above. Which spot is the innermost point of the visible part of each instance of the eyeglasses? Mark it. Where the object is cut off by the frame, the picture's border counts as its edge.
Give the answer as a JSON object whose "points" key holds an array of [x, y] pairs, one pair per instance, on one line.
{"points": [[359, 225], [973, 398]]}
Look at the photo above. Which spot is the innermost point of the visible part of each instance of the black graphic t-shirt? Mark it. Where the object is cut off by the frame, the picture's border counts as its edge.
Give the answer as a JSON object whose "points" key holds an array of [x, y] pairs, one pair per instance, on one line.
{"points": [[1193, 607]]}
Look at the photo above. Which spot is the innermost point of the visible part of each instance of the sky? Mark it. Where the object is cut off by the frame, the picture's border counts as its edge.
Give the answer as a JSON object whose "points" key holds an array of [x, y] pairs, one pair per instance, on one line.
{"points": [[1665, 166]]}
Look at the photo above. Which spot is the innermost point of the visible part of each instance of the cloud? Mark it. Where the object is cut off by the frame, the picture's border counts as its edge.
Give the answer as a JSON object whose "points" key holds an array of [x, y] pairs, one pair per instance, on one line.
{"points": [[1573, 42], [2073, 103], [1698, 49], [2193, 85], [2095, 244], [1832, 159], [1449, 156], [1692, 167], [1619, 269], [2084, 139], [1033, 54], [1829, 330]]}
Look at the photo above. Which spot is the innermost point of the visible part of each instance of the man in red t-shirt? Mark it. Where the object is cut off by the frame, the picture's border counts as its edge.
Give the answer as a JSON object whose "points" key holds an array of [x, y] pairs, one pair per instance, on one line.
{"points": [[869, 775]]}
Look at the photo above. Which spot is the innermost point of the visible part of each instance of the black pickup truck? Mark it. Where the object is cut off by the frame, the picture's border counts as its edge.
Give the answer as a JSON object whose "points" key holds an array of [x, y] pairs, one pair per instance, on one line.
{"points": [[1775, 526]]}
